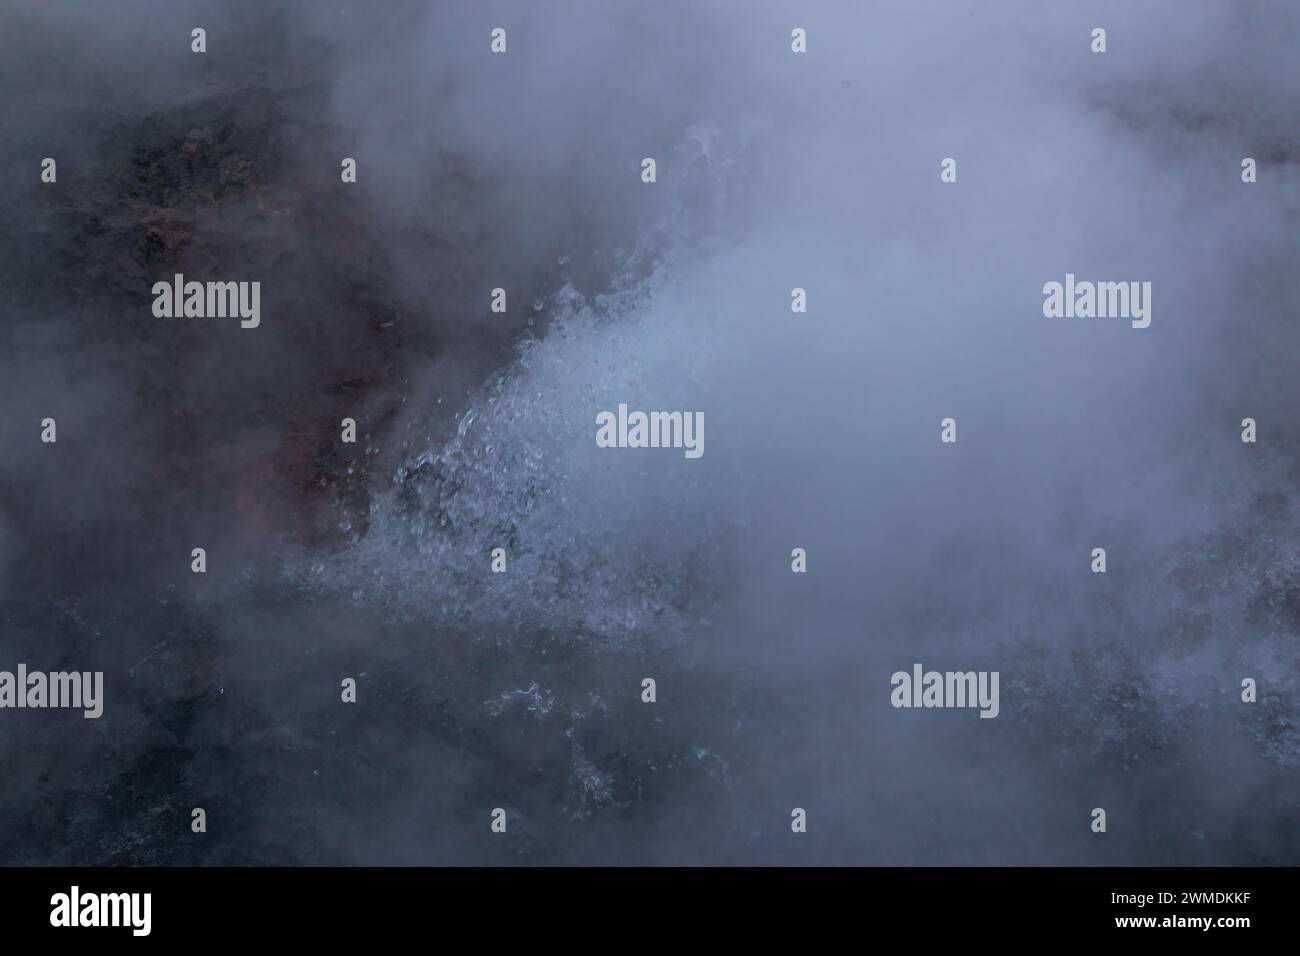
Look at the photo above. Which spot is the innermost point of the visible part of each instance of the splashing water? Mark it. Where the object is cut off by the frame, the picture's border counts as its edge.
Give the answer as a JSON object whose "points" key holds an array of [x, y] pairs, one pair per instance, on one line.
{"points": [[597, 543]]}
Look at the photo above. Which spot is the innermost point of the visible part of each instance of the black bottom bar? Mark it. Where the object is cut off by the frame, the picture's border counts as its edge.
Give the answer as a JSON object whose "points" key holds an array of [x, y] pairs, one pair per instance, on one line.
{"points": [[493, 906]]}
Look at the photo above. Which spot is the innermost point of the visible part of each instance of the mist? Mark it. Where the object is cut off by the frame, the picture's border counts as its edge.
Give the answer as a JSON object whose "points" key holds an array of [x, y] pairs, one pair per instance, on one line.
{"points": [[522, 690]]}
